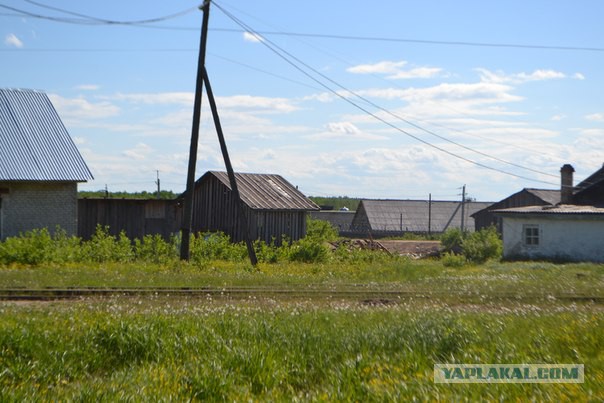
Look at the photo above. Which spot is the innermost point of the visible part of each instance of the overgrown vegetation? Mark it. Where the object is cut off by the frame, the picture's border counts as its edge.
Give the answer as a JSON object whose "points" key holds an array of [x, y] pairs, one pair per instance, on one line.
{"points": [[474, 247], [39, 246], [165, 349], [100, 194]]}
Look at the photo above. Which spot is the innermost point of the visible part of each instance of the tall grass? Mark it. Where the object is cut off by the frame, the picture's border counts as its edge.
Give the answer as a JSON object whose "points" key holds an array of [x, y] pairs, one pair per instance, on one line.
{"points": [[216, 352]]}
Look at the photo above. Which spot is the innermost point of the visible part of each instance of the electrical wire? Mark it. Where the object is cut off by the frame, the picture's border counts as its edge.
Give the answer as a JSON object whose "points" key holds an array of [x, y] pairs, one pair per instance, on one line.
{"points": [[90, 20], [286, 56]]}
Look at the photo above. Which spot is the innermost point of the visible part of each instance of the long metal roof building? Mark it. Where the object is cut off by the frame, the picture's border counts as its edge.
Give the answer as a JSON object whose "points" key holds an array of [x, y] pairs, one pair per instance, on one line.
{"points": [[34, 143]]}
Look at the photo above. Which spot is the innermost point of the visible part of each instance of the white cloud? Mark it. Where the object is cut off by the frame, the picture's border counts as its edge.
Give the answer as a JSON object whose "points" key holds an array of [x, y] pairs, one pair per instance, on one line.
{"points": [[282, 105], [251, 37], [139, 152], [87, 87], [12, 40], [395, 71], [578, 76], [343, 128], [519, 78], [558, 117], [158, 98], [80, 108], [596, 117], [385, 67]]}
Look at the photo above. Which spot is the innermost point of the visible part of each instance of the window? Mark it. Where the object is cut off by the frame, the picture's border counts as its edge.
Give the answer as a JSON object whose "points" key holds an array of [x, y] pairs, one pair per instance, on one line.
{"points": [[531, 235]]}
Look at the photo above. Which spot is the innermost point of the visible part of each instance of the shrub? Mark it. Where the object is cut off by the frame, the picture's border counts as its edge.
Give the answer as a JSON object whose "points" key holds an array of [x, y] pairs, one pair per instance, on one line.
{"points": [[215, 246], [320, 230], [451, 240], [104, 247], [450, 259], [480, 246], [309, 250], [153, 248]]}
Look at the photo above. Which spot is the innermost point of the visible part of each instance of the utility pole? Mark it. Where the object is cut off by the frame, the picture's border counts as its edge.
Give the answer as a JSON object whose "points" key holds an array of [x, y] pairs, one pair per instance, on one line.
{"points": [[463, 203], [429, 214], [158, 187], [187, 221]]}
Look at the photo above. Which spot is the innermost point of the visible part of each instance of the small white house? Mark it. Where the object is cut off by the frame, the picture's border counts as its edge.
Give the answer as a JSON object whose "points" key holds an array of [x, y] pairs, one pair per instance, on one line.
{"points": [[562, 232]]}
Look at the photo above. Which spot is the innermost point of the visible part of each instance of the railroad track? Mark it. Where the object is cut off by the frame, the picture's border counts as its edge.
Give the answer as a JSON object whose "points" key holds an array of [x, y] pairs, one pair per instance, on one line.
{"points": [[354, 293]]}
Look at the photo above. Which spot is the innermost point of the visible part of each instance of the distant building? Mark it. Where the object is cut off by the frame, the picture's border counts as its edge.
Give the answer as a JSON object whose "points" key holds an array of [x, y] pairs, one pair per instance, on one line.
{"points": [[571, 229], [339, 219], [273, 207], [40, 166], [397, 217]]}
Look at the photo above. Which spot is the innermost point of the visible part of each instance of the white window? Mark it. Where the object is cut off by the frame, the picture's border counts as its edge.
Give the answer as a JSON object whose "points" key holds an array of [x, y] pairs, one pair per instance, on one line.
{"points": [[530, 234]]}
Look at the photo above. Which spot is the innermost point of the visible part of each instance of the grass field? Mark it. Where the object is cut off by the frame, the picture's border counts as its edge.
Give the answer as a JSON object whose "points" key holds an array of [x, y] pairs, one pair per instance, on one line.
{"points": [[264, 347]]}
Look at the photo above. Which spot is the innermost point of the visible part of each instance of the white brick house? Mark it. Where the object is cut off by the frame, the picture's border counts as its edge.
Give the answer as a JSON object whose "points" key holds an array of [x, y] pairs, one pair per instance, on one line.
{"points": [[40, 166]]}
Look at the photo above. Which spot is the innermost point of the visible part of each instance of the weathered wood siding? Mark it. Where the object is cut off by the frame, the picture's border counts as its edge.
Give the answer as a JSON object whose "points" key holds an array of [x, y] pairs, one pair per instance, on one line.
{"points": [[214, 209], [136, 218]]}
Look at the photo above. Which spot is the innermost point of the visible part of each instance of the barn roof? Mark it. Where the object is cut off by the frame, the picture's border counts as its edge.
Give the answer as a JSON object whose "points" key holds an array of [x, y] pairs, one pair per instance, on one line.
{"points": [[591, 181], [549, 196], [387, 215], [266, 191], [34, 143]]}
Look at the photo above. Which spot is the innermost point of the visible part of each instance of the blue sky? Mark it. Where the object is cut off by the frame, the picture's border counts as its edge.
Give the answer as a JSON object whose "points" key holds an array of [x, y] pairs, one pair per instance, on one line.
{"points": [[398, 119]]}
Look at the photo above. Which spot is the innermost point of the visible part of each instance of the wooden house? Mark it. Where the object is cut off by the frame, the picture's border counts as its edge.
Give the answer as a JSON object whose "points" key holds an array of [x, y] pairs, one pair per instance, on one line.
{"points": [[273, 207]]}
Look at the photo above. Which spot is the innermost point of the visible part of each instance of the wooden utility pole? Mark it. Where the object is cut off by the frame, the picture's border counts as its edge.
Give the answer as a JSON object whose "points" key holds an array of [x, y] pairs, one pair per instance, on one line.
{"points": [[158, 186], [229, 167], [429, 214], [463, 204], [187, 220]]}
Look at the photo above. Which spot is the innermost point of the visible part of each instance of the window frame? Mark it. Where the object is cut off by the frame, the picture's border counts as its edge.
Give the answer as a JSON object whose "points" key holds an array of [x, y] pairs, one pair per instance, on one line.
{"points": [[533, 239]]}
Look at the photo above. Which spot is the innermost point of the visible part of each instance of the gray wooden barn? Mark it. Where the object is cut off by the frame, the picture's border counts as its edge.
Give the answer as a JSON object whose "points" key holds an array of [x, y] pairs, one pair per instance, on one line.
{"points": [[274, 208], [397, 217]]}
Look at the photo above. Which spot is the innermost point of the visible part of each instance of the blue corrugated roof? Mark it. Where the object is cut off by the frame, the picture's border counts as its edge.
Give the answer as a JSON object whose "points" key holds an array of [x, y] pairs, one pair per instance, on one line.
{"points": [[34, 143]]}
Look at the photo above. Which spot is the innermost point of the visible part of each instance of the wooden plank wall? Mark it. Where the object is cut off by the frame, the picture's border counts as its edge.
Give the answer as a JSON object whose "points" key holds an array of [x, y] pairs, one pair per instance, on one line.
{"points": [[214, 209], [136, 218]]}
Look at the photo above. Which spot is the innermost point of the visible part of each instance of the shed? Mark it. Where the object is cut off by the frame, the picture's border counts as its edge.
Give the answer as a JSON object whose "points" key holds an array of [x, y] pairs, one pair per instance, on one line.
{"points": [[397, 217], [40, 166], [273, 207]]}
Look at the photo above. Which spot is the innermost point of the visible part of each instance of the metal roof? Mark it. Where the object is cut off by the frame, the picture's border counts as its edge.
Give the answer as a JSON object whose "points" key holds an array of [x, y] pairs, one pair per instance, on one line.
{"points": [[266, 191], [34, 143], [549, 196], [412, 215], [549, 210]]}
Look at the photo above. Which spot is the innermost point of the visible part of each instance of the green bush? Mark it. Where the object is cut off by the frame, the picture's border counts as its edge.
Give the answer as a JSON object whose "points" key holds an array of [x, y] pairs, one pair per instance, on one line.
{"points": [[450, 259], [33, 247], [215, 246], [153, 248], [480, 246], [451, 240], [320, 230], [104, 247], [309, 250]]}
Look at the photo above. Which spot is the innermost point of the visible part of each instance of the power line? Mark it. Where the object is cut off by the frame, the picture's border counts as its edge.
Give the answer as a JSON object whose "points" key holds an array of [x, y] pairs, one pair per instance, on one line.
{"points": [[91, 20], [280, 52]]}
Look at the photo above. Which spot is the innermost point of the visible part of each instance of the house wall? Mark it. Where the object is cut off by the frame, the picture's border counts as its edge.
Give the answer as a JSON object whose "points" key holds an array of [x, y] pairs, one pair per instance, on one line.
{"points": [[561, 237], [33, 205]]}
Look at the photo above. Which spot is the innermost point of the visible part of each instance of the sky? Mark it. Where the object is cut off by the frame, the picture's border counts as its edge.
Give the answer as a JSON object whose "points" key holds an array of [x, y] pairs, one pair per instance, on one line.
{"points": [[381, 99]]}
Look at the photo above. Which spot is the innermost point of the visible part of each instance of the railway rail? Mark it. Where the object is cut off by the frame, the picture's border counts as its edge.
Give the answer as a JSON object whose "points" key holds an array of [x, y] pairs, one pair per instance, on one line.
{"points": [[351, 292]]}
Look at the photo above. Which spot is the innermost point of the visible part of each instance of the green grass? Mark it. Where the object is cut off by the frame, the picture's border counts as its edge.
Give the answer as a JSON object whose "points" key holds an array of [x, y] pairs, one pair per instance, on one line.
{"points": [[162, 349], [491, 279]]}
